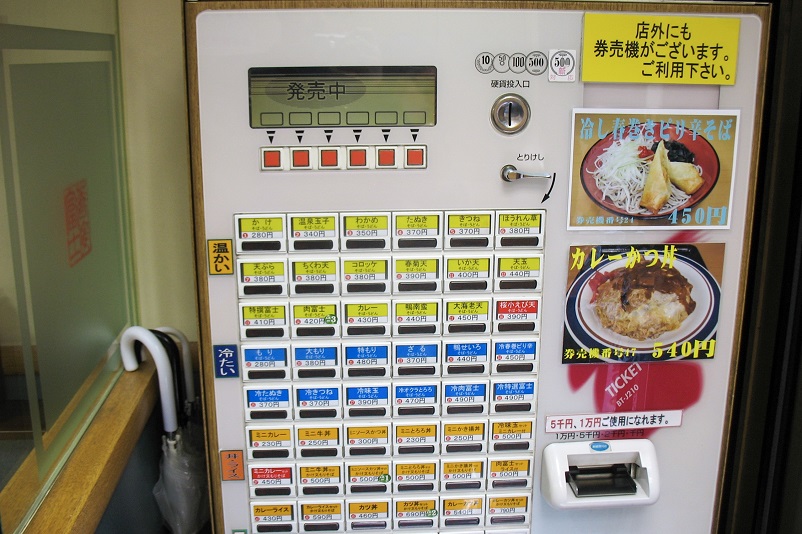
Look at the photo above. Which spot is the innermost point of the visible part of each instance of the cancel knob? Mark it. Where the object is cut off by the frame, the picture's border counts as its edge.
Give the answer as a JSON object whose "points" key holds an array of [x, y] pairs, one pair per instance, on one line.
{"points": [[510, 113]]}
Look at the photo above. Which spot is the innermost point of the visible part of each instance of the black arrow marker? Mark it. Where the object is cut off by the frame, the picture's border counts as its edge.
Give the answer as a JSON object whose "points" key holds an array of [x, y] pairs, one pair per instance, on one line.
{"points": [[300, 134], [386, 134], [328, 134], [270, 135], [414, 134], [548, 193], [357, 134]]}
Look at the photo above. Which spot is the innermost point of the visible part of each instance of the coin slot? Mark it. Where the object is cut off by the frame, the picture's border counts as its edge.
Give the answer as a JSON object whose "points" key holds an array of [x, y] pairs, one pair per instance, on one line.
{"points": [[466, 369], [264, 332], [423, 410], [269, 414], [468, 286], [415, 523], [416, 449], [464, 242], [314, 289], [369, 488], [417, 286], [375, 287], [318, 453], [474, 328], [369, 525], [466, 447], [463, 486], [367, 412], [462, 410], [417, 329], [417, 243], [366, 330], [310, 414], [260, 246], [309, 331], [314, 244], [365, 243], [317, 373], [519, 241], [515, 367], [461, 521], [514, 407], [263, 492], [602, 480], [507, 484], [321, 490], [366, 371], [321, 527], [419, 371], [508, 520], [262, 290], [516, 327], [529, 285], [265, 374], [271, 453], [368, 451], [506, 447]]}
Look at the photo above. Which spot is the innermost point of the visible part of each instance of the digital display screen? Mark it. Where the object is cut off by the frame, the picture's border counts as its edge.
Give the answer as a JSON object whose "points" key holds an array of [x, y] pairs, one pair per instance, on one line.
{"points": [[330, 97]]}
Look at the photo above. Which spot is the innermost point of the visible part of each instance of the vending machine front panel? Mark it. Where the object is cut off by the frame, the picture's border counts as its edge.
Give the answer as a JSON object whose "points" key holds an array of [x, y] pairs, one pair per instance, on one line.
{"points": [[471, 266]]}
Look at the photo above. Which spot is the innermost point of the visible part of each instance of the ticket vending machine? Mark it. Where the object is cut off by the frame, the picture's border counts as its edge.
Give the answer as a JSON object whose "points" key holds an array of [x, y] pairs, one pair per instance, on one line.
{"points": [[471, 267]]}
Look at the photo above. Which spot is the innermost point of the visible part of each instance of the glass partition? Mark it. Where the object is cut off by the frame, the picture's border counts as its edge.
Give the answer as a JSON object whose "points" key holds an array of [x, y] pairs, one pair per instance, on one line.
{"points": [[65, 274]]}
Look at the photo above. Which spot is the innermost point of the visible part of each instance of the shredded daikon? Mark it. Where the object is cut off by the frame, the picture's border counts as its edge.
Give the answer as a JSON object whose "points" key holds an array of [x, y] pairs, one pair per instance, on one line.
{"points": [[620, 173]]}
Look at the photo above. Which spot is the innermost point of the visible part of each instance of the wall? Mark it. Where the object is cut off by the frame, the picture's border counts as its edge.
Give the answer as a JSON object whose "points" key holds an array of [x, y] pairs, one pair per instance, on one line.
{"points": [[157, 147], [157, 151]]}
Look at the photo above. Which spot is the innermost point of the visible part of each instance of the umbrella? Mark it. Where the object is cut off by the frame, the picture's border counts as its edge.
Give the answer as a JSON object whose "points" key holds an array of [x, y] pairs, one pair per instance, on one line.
{"points": [[181, 490]]}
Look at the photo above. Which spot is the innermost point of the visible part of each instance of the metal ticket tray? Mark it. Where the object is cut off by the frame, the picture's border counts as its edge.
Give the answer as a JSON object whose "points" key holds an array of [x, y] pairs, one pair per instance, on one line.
{"points": [[471, 266]]}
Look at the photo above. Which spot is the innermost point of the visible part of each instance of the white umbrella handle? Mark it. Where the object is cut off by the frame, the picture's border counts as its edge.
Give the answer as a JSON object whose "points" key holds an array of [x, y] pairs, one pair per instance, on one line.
{"points": [[186, 360], [165, 372]]}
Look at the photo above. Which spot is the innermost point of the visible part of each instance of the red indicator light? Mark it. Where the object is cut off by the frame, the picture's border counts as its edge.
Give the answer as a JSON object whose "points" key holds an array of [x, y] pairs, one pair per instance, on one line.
{"points": [[414, 157], [386, 157], [358, 157], [300, 158], [271, 159], [329, 158]]}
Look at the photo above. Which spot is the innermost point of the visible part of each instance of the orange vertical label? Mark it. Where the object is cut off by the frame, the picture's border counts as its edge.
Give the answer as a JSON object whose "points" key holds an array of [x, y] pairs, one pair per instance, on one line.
{"points": [[231, 465], [221, 256]]}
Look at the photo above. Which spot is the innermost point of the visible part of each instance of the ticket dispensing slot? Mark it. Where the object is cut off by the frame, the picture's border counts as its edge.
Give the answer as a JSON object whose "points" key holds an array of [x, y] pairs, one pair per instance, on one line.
{"points": [[600, 473]]}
